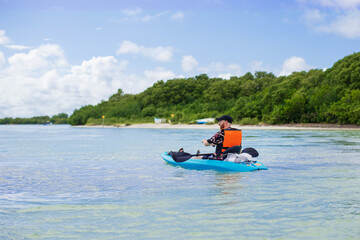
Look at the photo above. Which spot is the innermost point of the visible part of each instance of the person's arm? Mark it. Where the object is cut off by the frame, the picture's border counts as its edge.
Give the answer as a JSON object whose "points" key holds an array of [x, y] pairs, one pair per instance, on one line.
{"points": [[218, 138]]}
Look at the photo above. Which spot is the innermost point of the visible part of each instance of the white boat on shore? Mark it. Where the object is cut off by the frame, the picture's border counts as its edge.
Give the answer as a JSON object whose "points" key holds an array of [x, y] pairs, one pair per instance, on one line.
{"points": [[205, 120], [159, 120]]}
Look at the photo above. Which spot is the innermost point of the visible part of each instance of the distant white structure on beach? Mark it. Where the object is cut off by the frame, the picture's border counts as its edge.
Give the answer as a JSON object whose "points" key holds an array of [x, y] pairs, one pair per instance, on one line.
{"points": [[205, 120], [159, 120]]}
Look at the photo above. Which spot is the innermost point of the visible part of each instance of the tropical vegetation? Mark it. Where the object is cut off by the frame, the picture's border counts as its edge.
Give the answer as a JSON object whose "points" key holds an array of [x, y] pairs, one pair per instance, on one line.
{"points": [[61, 118], [315, 96]]}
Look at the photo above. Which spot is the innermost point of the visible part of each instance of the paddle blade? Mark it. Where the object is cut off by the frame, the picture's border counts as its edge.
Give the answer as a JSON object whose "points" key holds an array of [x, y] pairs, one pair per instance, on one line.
{"points": [[180, 156], [250, 151]]}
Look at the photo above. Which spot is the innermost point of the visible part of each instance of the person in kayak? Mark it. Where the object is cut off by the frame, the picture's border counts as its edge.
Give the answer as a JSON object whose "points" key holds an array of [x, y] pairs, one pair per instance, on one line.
{"points": [[226, 138]]}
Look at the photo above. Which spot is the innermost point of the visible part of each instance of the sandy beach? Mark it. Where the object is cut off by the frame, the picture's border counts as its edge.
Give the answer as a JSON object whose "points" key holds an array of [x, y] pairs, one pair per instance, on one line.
{"points": [[215, 126]]}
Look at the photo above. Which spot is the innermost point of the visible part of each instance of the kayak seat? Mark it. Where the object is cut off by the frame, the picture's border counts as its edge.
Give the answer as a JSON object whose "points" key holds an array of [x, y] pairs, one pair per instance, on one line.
{"points": [[233, 149]]}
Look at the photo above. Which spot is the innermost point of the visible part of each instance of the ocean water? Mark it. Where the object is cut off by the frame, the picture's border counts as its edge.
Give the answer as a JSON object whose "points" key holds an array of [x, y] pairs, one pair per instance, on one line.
{"points": [[60, 182]]}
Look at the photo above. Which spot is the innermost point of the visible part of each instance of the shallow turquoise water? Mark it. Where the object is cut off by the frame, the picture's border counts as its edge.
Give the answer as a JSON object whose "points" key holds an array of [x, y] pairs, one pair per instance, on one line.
{"points": [[59, 182]]}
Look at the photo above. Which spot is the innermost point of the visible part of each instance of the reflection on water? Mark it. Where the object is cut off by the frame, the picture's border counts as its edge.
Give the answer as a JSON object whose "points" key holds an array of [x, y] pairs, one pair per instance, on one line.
{"points": [[59, 182]]}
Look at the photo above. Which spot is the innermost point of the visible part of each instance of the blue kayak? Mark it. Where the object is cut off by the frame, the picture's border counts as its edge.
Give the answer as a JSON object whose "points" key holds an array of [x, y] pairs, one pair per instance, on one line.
{"points": [[205, 164]]}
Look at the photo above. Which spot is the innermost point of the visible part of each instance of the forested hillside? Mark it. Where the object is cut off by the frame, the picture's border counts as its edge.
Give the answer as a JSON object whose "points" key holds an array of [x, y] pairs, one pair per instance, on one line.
{"points": [[316, 96], [61, 118]]}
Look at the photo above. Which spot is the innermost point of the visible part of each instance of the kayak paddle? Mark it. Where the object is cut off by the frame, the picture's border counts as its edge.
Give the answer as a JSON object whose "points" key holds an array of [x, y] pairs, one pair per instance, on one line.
{"points": [[250, 151], [184, 156]]}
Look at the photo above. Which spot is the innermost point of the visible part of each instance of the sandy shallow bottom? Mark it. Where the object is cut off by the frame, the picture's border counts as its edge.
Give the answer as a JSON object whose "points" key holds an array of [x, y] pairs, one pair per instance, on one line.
{"points": [[215, 126]]}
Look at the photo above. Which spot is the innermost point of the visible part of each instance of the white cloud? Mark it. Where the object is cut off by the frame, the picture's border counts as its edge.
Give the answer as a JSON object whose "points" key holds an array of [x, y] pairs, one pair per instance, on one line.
{"points": [[128, 47], [162, 54], [225, 75], [313, 16], [159, 74], [132, 11], [138, 15], [177, 16], [188, 63], [40, 83], [221, 70], [294, 64], [340, 17], [256, 66], [3, 38], [17, 47], [94, 79], [38, 60], [2, 59], [138, 83], [347, 25], [149, 18]]}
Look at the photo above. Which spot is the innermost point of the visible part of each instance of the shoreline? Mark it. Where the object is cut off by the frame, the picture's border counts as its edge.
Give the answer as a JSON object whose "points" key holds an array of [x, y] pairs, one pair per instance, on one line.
{"points": [[245, 127]]}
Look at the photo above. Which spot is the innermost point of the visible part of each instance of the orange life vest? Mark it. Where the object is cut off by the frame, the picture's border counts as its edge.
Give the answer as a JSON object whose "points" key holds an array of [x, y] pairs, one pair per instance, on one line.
{"points": [[232, 137]]}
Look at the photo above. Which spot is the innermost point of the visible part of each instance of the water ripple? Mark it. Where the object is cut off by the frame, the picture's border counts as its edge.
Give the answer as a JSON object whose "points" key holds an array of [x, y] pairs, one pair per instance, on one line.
{"points": [[58, 182]]}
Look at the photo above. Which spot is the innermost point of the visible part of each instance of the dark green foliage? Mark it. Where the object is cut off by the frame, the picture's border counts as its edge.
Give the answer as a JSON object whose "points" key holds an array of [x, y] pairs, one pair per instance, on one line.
{"points": [[80, 117], [345, 72], [315, 96], [347, 110], [61, 118]]}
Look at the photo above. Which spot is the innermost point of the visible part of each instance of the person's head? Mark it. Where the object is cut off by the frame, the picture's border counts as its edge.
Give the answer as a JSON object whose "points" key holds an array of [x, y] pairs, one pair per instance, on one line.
{"points": [[224, 121]]}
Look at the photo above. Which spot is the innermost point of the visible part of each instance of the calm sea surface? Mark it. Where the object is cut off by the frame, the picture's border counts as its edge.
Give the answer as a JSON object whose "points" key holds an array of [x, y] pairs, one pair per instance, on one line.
{"points": [[60, 182]]}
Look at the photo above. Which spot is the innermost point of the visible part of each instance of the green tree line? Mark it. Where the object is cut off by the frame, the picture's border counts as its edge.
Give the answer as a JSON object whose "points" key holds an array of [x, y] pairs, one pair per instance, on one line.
{"points": [[315, 96], [61, 118]]}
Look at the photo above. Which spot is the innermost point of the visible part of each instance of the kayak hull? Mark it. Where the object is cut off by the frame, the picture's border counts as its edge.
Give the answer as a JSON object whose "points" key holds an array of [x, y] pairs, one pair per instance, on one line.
{"points": [[204, 164]]}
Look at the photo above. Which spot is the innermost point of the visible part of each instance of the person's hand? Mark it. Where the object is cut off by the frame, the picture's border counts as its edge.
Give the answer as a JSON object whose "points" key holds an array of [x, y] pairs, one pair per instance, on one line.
{"points": [[205, 142]]}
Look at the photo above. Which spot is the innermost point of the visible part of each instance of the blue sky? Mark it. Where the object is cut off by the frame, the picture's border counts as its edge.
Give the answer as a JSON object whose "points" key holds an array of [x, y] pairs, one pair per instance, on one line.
{"points": [[59, 55]]}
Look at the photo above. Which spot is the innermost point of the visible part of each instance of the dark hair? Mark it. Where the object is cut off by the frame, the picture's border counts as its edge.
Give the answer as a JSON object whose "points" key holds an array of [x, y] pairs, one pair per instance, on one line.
{"points": [[226, 118]]}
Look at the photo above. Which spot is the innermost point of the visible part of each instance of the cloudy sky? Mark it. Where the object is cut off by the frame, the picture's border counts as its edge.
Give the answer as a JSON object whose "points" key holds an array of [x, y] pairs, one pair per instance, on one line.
{"points": [[59, 55]]}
